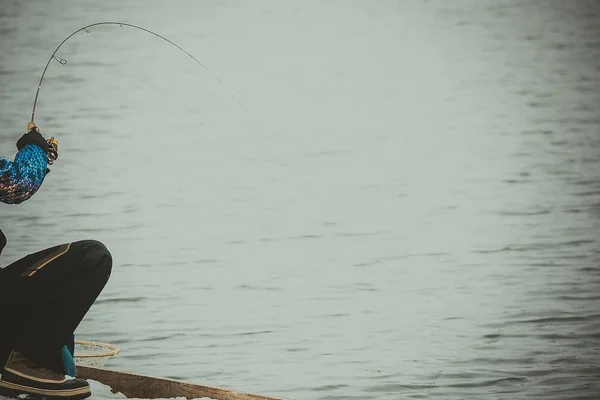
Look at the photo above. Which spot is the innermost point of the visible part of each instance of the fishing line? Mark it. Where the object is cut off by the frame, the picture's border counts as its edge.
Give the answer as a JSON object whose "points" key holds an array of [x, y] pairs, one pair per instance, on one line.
{"points": [[63, 61]]}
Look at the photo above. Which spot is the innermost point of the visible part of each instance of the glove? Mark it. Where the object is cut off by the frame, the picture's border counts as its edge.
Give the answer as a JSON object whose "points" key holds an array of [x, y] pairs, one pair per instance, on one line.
{"points": [[67, 353], [33, 136]]}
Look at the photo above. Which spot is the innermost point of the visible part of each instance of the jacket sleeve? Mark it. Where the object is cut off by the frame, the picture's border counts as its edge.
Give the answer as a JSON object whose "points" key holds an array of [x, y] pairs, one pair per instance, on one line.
{"points": [[21, 178]]}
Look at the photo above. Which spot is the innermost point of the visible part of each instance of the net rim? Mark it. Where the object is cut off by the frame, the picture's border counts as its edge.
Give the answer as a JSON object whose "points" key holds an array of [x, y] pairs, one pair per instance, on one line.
{"points": [[111, 352]]}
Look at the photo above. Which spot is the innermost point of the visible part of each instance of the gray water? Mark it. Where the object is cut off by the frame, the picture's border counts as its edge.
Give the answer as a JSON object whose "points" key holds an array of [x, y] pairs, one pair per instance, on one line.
{"points": [[410, 208]]}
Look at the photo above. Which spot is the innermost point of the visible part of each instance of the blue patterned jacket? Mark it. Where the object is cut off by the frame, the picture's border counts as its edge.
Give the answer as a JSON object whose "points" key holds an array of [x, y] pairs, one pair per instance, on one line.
{"points": [[21, 178]]}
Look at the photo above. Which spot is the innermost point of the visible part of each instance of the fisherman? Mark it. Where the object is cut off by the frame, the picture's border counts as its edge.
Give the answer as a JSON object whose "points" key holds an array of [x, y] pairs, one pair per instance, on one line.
{"points": [[45, 295]]}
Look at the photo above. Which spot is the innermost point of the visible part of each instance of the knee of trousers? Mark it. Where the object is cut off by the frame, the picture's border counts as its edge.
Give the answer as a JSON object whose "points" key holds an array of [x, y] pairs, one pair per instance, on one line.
{"points": [[95, 256]]}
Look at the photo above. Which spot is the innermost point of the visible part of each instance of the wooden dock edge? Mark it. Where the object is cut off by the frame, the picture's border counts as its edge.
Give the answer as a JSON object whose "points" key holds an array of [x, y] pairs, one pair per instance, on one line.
{"points": [[140, 386]]}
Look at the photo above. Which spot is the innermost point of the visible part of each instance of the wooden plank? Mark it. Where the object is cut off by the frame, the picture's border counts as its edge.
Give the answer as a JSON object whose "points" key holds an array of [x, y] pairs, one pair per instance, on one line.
{"points": [[147, 387]]}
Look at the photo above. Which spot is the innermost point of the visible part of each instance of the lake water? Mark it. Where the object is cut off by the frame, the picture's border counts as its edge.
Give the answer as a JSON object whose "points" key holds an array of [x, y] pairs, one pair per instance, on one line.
{"points": [[409, 209]]}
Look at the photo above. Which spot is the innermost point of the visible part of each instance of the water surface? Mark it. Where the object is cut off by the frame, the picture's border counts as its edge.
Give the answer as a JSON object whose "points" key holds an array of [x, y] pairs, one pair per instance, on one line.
{"points": [[410, 211]]}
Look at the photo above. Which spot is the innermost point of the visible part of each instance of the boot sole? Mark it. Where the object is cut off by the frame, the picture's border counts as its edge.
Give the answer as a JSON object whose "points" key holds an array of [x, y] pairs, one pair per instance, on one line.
{"points": [[13, 390]]}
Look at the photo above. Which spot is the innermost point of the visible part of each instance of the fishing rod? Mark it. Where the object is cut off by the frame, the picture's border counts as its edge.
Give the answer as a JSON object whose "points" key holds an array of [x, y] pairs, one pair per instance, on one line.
{"points": [[63, 61]]}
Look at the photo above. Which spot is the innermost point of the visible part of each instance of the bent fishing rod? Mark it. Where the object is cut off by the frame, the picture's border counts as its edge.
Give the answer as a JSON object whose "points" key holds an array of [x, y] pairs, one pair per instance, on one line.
{"points": [[86, 28]]}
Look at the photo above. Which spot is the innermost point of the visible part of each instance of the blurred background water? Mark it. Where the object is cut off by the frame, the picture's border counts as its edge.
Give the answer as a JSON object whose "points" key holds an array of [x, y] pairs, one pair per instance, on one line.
{"points": [[411, 210]]}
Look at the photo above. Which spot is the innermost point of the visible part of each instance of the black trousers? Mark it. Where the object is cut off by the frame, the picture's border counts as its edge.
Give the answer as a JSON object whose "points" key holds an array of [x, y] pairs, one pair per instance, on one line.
{"points": [[45, 295]]}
